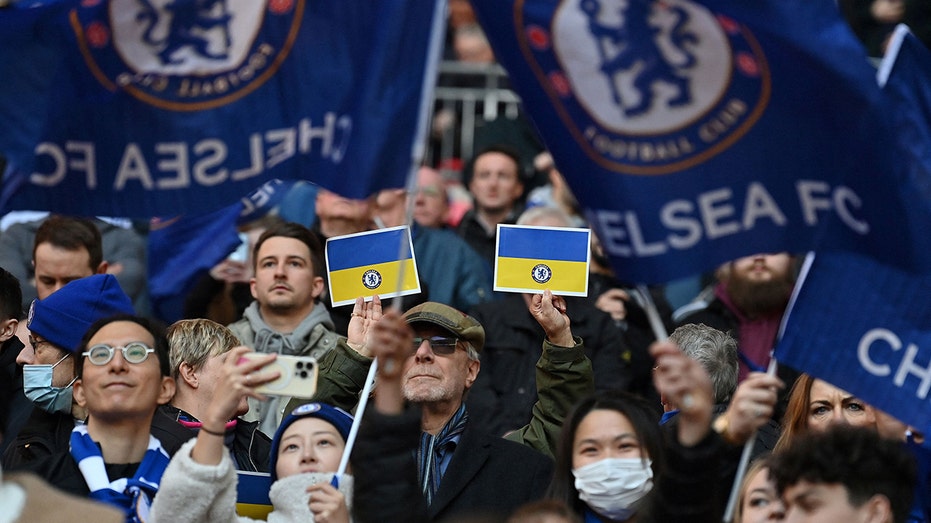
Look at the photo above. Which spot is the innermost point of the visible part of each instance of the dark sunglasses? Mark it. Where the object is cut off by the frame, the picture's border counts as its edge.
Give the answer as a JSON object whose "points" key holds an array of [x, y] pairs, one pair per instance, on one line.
{"points": [[440, 345]]}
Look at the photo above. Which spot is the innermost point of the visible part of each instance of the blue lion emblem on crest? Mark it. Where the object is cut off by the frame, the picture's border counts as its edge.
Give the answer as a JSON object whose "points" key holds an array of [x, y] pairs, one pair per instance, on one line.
{"points": [[190, 22], [635, 41], [371, 279], [541, 273]]}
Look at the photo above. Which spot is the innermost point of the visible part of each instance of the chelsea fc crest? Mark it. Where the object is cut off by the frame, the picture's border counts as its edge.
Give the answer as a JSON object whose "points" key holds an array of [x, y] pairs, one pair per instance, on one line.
{"points": [[185, 55], [647, 86], [371, 279], [541, 273]]}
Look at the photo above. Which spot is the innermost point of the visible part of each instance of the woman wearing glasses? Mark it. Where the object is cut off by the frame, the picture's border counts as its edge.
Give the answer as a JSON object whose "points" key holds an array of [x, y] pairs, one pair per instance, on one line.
{"points": [[122, 377]]}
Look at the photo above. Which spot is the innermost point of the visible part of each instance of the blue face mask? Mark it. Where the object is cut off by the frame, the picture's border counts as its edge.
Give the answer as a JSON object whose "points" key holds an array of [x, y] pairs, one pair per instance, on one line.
{"points": [[37, 384]]}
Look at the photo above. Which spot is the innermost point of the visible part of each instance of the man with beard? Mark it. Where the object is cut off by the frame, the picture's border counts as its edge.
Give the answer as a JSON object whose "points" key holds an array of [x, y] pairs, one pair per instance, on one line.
{"points": [[748, 303], [285, 318]]}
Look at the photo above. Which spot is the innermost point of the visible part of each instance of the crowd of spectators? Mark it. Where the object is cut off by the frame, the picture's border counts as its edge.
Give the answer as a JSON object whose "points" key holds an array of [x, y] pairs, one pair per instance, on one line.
{"points": [[489, 406]]}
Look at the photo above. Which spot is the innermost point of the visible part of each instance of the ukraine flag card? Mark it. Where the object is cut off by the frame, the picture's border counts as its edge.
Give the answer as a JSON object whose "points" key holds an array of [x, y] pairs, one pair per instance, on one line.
{"points": [[370, 263], [532, 259]]}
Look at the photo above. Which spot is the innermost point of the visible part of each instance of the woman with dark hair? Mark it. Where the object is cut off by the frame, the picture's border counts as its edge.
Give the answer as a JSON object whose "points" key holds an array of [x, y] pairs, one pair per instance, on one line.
{"points": [[614, 463]]}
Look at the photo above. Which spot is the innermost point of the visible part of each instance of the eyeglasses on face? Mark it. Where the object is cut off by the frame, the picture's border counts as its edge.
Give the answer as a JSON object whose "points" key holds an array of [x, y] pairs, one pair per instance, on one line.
{"points": [[440, 345], [135, 352], [35, 344]]}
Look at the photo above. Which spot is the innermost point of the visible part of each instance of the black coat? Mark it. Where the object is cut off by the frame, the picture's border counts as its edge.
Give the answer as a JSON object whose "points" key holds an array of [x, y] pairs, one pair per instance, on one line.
{"points": [[47, 434], [15, 407], [487, 474], [250, 447], [503, 395]]}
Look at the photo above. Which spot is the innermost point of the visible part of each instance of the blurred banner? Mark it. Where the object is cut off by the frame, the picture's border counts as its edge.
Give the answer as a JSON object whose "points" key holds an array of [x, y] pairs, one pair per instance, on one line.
{"points": [[862, 325], [696, 132], [146, 108]]}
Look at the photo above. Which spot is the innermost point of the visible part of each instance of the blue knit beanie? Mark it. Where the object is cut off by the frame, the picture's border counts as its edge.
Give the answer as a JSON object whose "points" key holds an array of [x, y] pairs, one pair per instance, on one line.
{"points": [[64, 316], [335, 416]]}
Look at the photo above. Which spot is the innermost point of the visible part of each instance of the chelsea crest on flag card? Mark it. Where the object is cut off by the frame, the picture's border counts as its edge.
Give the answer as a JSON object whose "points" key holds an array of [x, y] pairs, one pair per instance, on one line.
{"points": [[370, 263], [533, 259]]}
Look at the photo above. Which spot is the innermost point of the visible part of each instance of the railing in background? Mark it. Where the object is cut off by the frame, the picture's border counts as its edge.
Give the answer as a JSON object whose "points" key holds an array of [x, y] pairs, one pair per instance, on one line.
{"points": [[466, 96]]}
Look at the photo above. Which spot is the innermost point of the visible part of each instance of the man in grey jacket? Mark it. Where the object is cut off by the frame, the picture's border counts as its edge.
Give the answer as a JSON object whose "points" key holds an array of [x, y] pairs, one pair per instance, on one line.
{"points": [[285, 317]]}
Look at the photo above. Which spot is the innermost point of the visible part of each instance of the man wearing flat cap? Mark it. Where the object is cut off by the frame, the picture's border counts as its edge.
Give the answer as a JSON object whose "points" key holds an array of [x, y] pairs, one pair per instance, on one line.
{"points": [[460, 468]]}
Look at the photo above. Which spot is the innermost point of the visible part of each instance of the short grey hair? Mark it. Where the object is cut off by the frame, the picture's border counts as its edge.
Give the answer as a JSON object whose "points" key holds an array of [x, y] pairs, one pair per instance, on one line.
{"points": [[470, 350], [534, 215], [716, 351]]}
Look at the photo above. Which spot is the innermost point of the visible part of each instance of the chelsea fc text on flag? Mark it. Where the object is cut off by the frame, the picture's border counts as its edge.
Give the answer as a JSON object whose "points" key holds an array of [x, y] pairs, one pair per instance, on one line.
{"points": [[534, 259], [866, 326], [156, 108], [694, 132], [370, 263]]}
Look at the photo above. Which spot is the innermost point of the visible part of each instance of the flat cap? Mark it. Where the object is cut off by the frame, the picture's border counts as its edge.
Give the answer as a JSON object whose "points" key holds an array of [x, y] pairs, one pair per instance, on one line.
{"points": [[465, 327]]}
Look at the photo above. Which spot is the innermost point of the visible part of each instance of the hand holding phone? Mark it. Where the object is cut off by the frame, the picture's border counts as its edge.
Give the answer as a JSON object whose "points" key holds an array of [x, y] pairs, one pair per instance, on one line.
{"points": [[298, 376]]}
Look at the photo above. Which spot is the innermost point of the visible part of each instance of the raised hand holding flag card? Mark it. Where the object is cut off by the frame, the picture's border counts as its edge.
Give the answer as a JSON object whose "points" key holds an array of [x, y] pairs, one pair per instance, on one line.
{"points": [[533, 259], [370, 263]]}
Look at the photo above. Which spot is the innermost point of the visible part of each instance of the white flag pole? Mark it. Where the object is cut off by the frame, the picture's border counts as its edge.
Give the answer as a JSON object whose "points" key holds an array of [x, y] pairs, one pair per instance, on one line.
{"points": [[437, 33]]}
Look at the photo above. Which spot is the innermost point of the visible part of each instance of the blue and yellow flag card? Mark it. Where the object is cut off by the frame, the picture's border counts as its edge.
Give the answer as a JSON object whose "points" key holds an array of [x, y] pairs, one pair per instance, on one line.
{"points": [[370, 263], [532, 259], [252, 494]]}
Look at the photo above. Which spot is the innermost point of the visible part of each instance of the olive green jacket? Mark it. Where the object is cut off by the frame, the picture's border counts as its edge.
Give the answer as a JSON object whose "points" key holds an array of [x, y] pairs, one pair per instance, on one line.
{"points": [[564, 376]]}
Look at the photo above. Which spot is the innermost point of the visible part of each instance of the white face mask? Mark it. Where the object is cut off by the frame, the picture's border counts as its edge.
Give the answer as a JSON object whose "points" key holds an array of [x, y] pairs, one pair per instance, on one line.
{"points": [[37, 385], [614, 487]]}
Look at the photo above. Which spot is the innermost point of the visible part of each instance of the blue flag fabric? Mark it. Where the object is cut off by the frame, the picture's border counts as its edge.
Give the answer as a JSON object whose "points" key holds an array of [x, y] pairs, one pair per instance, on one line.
{"points": [[696, 132], [866, 326], [143, 108], [183, 248], [905, 77]]}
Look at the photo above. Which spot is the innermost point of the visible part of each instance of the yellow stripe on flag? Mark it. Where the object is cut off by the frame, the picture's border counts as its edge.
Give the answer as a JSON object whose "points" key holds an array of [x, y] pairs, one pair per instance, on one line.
{"points": [[560, 277], [253, 510], [348, 284]]}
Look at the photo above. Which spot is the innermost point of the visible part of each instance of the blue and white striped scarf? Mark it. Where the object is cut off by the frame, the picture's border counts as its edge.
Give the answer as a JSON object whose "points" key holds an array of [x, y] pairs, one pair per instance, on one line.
{"points": [[133, 495]]}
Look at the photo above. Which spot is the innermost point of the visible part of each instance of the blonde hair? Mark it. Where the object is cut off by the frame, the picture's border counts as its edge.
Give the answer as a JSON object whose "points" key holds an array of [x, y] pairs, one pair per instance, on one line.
{"points": [[193, 341], [760, 465]]}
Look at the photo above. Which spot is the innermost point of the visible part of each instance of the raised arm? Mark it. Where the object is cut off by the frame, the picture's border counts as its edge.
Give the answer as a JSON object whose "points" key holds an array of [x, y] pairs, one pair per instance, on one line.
{"points": [[563, 375]]}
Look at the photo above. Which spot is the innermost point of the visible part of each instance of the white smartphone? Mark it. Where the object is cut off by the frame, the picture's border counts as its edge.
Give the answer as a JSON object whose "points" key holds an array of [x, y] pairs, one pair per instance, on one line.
{"points": [[298, 376]]}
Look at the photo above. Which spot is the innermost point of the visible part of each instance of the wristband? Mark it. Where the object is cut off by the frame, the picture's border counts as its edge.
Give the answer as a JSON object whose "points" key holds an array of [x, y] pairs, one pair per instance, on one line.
{"points": [[213, 432]]}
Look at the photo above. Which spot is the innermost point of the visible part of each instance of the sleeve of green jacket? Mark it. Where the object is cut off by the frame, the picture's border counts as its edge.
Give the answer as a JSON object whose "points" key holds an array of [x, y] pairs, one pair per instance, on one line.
{"points": [[564, 376], [341, 377]]}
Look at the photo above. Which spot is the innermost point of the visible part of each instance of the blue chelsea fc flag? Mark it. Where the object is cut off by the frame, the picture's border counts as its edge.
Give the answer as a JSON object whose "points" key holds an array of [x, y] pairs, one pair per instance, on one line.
{"points": [[866, 326], [694, 132], [153, 108]]}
